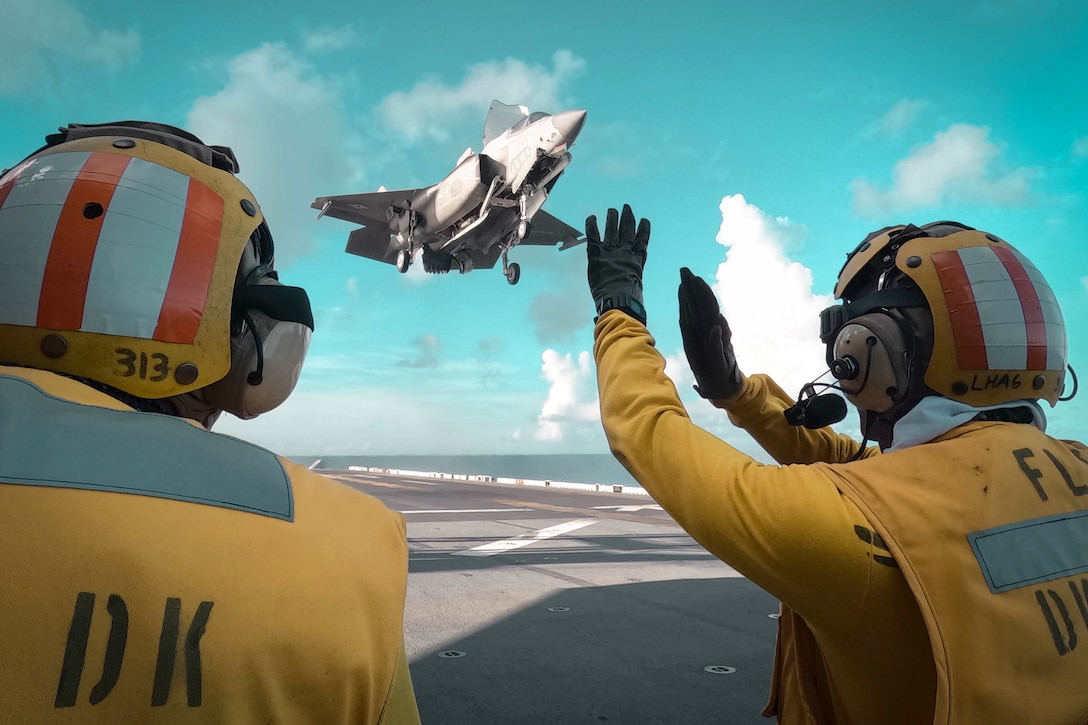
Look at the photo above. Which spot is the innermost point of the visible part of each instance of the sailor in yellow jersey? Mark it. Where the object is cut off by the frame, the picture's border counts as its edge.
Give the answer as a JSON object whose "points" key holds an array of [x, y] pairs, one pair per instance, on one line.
{"points": [[150, 570], [942, 578]]}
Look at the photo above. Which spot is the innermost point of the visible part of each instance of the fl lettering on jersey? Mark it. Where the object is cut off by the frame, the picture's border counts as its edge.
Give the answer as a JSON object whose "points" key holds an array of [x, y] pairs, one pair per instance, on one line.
{"points": [[1048, 553]]}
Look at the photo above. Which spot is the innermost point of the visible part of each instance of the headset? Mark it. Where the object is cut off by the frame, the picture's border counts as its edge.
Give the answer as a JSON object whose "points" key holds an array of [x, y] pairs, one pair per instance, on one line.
{"points": [[872, 357]]}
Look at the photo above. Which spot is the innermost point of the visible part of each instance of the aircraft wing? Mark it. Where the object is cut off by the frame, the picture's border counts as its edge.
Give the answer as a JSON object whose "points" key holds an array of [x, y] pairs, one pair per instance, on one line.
{"points": [[362, 208], [549, 231], [373, 242]]}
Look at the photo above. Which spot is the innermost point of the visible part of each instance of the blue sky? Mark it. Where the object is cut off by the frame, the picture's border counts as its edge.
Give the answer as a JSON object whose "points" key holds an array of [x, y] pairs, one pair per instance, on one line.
{"points": [[777, 132]]}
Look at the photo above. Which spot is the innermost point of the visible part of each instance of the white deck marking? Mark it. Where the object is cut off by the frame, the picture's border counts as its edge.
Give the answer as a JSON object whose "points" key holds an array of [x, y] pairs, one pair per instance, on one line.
{"points": [[461, 511], [499, 547], [633, 507]]}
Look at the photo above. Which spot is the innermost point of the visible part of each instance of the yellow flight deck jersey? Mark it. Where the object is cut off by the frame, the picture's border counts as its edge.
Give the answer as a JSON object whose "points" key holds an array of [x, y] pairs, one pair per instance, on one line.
{"points": [[944, 583], [152, 571]]}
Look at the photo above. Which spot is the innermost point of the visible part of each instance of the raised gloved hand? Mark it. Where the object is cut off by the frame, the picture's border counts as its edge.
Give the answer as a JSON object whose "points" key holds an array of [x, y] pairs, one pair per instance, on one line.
{"points": [[707, 340], [615, 263]]}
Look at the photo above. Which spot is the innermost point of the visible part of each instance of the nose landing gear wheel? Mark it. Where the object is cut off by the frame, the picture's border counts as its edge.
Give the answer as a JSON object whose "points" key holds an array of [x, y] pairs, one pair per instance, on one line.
{"points": [[513, 273]]}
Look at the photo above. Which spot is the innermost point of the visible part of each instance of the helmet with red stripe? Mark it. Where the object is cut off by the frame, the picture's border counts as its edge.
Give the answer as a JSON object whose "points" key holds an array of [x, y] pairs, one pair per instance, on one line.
{"points": [[943, 309], [132, 256]]}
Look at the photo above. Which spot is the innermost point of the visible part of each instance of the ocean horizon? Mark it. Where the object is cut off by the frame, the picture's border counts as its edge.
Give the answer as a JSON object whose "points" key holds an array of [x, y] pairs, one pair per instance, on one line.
{"points": [[568, 468]]}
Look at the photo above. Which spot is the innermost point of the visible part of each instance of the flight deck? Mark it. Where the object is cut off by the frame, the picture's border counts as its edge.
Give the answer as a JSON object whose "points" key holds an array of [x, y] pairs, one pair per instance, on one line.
{"points": [[532, 605]]}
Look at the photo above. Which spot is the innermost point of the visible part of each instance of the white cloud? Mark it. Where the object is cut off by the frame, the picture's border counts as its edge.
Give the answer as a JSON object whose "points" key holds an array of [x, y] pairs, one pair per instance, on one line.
{"points": [[957, 165], [766, 297], [330, 38], [426, 110], [900, 116], [676, 367], [46, 42], [285, 124], [572, 404], [1080, 146]]}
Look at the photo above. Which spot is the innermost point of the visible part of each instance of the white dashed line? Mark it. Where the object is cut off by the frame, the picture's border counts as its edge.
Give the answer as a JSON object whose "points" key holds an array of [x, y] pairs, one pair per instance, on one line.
{"points": [[499, 547]]}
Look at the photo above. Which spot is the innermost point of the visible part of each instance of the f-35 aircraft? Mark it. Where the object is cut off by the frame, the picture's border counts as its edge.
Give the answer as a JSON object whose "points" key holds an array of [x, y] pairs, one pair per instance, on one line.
{"points": [[488, 204]]}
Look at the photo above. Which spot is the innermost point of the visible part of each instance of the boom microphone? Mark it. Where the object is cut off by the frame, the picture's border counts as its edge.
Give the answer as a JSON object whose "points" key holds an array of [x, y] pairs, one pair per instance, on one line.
{"points": [[817, 411]]}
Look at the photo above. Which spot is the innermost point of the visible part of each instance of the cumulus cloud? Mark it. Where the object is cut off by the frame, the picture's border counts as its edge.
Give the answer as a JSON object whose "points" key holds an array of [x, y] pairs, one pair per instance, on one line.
{"points": [[285, 124], [959, 164], [47, 41], [767, 297], [427, 109], [676, 367], [429, 348], [901, 115], [1080, 146], [316, 41], [571, 407]]}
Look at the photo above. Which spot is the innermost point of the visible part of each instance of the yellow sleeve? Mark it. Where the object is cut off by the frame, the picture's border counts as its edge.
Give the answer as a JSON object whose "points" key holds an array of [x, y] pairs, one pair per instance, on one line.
{"points": [[788, 529], [759, 410]]}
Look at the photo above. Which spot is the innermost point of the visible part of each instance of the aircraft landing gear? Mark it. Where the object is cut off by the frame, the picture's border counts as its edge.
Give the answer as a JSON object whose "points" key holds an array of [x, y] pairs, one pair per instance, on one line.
{"points": [[513, 273], [524, 226], [404, 260], [512, 270]]}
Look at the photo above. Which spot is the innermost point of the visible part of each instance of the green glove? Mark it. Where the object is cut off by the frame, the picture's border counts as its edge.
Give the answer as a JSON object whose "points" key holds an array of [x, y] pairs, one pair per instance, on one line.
{"points": [[707, 340], [615, 263]]}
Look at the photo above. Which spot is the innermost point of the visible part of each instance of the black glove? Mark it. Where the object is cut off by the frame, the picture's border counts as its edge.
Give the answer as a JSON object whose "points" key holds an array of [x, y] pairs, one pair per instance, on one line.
{"points": [[707, 340], [615, 264]]}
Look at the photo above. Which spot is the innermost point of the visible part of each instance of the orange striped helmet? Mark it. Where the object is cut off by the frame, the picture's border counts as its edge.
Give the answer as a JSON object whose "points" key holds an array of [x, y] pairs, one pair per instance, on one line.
{"points": [[120, 247], [998, 333]]}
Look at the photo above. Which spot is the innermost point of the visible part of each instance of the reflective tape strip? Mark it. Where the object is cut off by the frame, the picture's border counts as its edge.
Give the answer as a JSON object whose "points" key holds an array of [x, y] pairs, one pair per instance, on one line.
{"points": [[187, 292], [57, 443], [958, 295], [107, 243], [7, 181], [1004, 315], [75, 238], [1029, 552], [1052, 318], [136, 251], [1035, 326], [28, 218], [1000, 310]]}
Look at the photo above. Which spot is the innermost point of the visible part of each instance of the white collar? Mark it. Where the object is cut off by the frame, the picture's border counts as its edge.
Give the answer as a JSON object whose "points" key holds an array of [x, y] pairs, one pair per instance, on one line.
{"points": [[934, 416]]}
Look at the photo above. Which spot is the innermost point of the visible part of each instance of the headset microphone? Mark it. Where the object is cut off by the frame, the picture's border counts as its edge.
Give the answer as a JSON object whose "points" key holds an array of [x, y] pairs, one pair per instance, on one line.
{"points": [[815, 411]]}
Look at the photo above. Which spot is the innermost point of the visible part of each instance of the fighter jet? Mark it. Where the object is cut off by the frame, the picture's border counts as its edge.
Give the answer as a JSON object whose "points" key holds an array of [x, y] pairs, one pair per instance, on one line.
{"points": [[486, 206]]}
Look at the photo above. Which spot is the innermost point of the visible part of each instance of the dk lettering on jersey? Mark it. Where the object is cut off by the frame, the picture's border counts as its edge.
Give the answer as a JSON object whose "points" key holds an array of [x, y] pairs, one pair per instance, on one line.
{"points": [[75, 651]]}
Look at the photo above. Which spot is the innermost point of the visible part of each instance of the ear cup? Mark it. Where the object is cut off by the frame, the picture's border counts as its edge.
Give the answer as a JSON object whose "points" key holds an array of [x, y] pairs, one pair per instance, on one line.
{"points": [[284, 349], [871, 358], [266, 353]]}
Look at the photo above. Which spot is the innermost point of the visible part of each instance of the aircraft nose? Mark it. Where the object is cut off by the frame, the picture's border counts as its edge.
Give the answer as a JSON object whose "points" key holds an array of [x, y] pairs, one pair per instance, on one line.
{"points": [[569, 123]]}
